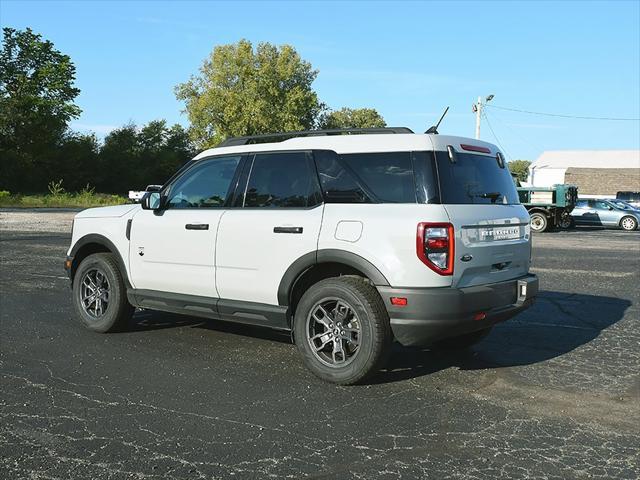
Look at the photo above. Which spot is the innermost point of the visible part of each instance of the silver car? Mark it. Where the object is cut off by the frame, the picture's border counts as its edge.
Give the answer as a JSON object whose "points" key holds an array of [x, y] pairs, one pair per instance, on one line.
{"points": [[604, 213]]}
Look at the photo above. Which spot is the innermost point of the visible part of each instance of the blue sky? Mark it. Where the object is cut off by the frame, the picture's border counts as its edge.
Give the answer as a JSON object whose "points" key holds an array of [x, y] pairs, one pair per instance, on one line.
{"points": [[407, 60]]}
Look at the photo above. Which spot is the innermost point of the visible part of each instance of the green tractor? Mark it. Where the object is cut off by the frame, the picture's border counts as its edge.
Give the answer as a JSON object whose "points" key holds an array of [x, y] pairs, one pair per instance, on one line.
{"points": [[548, 207]]}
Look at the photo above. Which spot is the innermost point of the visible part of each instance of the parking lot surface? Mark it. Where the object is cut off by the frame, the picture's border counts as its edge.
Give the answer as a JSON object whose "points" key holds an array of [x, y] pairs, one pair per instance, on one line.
{"points": [[553, 393]]}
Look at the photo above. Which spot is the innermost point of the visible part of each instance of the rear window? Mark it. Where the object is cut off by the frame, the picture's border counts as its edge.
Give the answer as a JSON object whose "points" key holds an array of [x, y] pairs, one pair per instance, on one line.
{"points": [[628, 196], [474, 179]]}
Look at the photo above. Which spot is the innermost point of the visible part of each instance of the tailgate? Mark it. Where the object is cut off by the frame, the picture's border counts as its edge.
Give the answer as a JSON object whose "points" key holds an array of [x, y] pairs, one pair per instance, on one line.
{"points": [[493, 243]]}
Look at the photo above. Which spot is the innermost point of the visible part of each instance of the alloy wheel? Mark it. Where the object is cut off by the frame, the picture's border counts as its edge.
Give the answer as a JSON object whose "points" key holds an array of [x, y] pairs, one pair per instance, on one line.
{"points": [[333, 332], [628, 223], [94, 293]]}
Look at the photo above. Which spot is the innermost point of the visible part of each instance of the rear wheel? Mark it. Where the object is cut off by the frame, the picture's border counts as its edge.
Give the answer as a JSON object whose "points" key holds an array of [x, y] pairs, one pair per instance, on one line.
{"points": [[628, 223], [342, 330], [99, 294], [463, 341], [539, 222]]}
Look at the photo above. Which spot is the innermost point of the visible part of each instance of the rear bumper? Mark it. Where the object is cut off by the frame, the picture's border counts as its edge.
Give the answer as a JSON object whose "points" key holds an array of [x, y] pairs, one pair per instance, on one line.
{"points": [[432, 314]]}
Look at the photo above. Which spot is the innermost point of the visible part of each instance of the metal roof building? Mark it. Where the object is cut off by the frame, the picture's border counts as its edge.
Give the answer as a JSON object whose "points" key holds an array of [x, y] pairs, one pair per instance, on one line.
{"points": [[597, 173]]}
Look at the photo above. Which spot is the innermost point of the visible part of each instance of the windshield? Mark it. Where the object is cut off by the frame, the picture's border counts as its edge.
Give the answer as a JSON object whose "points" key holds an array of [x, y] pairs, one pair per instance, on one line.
{"points": [[474, 179]]}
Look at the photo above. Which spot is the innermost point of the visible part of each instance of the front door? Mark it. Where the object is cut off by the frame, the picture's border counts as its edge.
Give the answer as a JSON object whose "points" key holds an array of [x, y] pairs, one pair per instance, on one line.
{"points": [[173, 250], [279, 222]]}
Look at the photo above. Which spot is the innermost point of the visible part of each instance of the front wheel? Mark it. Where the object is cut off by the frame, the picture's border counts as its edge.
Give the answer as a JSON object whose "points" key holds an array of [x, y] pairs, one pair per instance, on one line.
{"points": [[342, 330], [629, 223], [99, 294], [539, 222]]}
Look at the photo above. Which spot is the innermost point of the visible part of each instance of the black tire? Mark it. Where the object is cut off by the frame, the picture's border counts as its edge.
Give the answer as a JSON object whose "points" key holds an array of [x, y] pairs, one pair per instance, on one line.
{"points": [[365, 309], [116, 310], [463, 341], [566, 222], [539, 222], [628, 223]]}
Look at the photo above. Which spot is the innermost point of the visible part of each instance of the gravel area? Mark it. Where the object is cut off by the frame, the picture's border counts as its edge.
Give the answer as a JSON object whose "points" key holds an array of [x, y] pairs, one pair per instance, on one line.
{"points": [[40, 220]]}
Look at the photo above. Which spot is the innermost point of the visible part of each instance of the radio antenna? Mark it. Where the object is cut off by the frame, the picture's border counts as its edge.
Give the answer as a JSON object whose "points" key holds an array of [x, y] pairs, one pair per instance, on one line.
{"points": [[434, 129]]}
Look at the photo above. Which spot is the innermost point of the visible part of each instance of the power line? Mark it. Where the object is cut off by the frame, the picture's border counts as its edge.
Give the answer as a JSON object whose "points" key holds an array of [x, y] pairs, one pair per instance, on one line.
{"points": [[494, 135], [521, 138], [620, 119]]}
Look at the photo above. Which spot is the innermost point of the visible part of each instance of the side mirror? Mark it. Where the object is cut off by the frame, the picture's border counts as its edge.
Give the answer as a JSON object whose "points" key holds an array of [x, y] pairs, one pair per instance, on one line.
{"points": [[153, 188], [151, 201]]}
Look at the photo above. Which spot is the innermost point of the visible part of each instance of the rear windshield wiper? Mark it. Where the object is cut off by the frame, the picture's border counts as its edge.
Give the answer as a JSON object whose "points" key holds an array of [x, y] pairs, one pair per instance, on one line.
{"points": [[492, 195]]}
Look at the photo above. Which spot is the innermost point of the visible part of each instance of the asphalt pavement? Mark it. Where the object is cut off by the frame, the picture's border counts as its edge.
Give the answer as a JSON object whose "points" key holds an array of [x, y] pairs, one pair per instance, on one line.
{"points": [[553, 393]]}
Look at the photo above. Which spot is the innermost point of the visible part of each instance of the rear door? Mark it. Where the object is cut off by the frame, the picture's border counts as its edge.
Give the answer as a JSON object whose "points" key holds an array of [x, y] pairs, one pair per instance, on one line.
{"points": [[491, 228], [278, 222]]}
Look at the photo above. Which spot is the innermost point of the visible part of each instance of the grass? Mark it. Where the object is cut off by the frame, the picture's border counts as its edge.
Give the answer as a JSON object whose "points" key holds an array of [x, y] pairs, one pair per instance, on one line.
{"points": [[58, 197]]}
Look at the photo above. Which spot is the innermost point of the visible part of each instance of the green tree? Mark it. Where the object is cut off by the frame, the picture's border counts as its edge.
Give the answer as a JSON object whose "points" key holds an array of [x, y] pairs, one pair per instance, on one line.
{"points": [[519, 168], [245, 91], [36, 104], [353, 118], [133, 158], [74, 161]]}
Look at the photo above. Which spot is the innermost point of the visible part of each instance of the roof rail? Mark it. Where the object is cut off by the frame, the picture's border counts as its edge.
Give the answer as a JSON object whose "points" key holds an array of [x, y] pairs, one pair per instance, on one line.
{"points": [[280, 137]]}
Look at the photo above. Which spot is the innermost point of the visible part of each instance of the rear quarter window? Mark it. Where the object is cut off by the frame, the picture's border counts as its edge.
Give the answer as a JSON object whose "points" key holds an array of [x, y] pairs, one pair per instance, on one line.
{"points": [[388, 175]]}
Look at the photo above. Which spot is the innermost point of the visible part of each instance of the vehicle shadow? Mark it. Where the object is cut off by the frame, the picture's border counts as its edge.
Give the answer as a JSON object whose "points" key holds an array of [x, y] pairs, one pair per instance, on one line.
{"points": [[555, 325]]}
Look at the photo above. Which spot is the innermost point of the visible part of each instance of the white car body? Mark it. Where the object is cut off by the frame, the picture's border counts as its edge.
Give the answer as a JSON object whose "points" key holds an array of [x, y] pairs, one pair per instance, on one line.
{"points": [[239, 268]]}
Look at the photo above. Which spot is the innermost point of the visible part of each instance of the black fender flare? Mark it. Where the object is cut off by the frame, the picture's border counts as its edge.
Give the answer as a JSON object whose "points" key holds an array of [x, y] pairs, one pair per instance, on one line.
{"points": [[329, 255], [105, 242]]}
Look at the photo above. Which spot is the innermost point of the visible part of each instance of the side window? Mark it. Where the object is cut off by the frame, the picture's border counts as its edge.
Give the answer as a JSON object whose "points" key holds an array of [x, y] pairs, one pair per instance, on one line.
{"points": [[581, 204], [338, 185], [602, 206], [205, 185], [389, 175], [282, 180]]}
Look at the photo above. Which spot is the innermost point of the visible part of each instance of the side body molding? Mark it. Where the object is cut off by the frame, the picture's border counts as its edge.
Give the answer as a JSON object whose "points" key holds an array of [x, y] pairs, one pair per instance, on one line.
{"points": [[329, 255]]}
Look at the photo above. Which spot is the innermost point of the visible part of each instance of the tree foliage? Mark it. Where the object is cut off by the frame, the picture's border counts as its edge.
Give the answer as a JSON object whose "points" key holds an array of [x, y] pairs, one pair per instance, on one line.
{"points": [[353, 118], [245, 91], [133, 158], [36, 88], [520, 168], [36, 103]]}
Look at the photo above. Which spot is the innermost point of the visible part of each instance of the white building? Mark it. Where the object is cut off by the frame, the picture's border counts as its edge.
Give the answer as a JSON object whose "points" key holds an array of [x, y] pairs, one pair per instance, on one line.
{"points": [[597, 173]]}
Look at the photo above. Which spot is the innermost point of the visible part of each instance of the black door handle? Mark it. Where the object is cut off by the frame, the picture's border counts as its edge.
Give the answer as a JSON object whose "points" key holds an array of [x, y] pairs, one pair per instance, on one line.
{"points": [[287, 229], [197, 226]]}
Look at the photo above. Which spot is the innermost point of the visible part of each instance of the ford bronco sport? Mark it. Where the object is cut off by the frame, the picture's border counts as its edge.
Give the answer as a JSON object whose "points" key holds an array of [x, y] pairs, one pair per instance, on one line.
{"points": [[346, 239]]}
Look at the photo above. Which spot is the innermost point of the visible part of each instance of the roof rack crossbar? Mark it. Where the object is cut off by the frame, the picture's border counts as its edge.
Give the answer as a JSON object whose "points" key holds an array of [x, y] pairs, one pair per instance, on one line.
{"points": [[280, 137]]}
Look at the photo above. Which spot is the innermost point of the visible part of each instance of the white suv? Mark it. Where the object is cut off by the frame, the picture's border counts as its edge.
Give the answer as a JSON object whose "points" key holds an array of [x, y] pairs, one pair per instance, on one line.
{"points": [[347, 240]]}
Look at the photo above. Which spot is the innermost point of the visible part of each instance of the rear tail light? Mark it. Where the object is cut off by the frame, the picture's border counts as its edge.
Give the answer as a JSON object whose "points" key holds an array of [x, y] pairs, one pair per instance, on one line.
{"points": [[435, 246]]}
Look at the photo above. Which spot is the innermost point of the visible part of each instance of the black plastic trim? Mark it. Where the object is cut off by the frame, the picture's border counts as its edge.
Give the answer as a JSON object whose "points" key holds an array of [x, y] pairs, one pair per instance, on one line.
{"points": [[237, 311], [128, 233], [303, 263], [291, 275], [431, 314], [279, 137], [105, 242]]}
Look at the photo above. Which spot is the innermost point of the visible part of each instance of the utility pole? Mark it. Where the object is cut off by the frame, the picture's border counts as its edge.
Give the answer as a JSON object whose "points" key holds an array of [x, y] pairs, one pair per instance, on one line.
{"points": [[477, 108]]}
